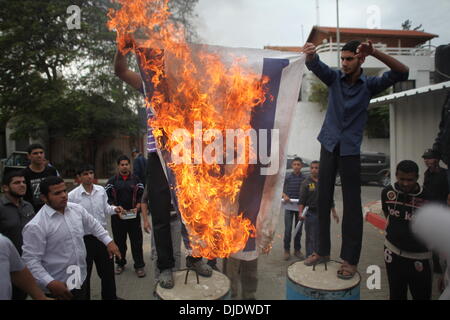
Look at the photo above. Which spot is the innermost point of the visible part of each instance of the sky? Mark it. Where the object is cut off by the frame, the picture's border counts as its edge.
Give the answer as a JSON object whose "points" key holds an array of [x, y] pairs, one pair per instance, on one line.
{"points": [[257, 23]]}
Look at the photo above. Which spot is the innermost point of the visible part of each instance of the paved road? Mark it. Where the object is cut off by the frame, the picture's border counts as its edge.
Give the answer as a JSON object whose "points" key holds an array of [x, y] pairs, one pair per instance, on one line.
{"points": [[272, 268]]}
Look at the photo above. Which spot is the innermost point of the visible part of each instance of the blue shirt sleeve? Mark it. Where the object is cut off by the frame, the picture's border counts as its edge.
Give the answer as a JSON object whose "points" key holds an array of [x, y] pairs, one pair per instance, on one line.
{"points": [[322, 71], [377, 85]]}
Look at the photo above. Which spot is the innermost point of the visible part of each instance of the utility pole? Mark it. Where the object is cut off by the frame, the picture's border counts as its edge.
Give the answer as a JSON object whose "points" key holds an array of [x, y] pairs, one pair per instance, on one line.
{"points": [[338, 36], [317, 13]]}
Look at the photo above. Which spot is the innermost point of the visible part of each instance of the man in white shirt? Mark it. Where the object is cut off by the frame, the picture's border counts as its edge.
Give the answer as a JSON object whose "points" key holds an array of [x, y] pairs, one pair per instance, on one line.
{"points": [[53, 247], [93, 198]]}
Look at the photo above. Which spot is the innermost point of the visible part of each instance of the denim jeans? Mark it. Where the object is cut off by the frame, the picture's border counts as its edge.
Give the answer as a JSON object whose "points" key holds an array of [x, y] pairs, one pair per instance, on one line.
{"points": [[312, 232], [290, 216]]}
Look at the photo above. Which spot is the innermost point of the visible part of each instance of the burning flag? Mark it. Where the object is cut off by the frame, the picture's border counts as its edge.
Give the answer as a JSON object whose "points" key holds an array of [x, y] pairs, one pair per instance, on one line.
{"points": [[222, 118]]}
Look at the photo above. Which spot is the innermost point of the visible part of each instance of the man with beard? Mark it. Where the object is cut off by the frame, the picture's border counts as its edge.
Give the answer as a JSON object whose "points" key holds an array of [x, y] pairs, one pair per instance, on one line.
{"points": [[15, 213], [53, 246], [350, 92]]}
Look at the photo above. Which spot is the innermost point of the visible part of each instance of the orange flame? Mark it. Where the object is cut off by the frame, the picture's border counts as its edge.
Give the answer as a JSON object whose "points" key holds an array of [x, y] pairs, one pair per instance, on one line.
{"points": [[208, 91]]}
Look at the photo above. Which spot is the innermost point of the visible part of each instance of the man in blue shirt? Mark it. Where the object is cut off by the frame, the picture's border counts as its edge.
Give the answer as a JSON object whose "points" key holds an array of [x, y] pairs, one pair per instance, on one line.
{"points": [[350, 92]]}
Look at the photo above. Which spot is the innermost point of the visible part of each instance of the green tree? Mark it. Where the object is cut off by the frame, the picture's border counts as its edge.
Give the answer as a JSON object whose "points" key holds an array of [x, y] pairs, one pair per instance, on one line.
{"points": [[407, 25], [319, 94], [62, 80]]}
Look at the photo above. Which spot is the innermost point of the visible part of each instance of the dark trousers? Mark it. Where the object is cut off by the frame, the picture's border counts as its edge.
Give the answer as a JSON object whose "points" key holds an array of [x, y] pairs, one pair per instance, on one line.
{"points": [[289, 217], [96, 252], [18, 294], [349, 168], [78, 294], [159, 202], [311, 232], [132, 228], [404, 273]]}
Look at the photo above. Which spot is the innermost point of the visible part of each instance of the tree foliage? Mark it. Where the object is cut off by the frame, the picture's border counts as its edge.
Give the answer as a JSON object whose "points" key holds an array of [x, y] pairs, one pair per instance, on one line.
{"points": [[407, 25], [319, 94], [62, 80]]}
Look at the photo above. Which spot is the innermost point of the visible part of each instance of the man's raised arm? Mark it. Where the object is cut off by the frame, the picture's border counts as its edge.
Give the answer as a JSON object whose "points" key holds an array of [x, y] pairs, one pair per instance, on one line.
{"points": [[366, 49], [121, 69]]}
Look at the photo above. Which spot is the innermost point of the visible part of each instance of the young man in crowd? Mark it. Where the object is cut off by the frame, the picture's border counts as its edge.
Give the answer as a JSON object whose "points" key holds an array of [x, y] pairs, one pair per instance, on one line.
{"points": [[53, 246], [408, 260], [125, 190], [139, 165], [435, 183], [13, 270], [37, 171], [15, 213], [436, 189], [291, 190], [308, 198], [93, 198], [341, 138]]}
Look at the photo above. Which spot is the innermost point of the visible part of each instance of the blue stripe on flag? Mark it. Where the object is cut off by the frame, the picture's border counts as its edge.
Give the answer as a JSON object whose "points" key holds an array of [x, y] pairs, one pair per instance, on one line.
{"points": [[262, 118]]}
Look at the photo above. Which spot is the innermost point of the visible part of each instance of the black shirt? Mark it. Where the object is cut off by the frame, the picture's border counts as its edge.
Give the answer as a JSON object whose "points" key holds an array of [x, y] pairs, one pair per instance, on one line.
{"points": [[435, 186], [126, 193], [399, 208], [33, 180], [13, 219], [309, 194]]}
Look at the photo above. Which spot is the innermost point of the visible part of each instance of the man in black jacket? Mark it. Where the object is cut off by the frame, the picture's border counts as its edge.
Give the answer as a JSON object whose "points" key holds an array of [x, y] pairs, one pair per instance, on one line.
{"points": [[125, 190], [408, 260]]}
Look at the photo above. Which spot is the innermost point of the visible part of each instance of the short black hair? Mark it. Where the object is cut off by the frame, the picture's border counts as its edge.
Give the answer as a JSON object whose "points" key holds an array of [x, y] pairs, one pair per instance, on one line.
{"points": [[297, 159], [85, 167], [408, 166], [8, 177], [123, 157], [34, 146], [315, 162], [45, 184], [351, 46]]}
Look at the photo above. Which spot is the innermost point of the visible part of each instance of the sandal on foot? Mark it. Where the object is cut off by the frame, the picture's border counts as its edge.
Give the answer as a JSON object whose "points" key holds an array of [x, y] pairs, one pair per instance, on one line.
{"points": [[315, 259], [119, 270], [166, 279], [346, 271]]}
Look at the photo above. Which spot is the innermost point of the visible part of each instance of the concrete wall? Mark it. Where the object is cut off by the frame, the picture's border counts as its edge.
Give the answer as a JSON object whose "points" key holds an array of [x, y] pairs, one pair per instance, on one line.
{"points": [[375, 145], [414, 126], [304, 131], [307, 122]]}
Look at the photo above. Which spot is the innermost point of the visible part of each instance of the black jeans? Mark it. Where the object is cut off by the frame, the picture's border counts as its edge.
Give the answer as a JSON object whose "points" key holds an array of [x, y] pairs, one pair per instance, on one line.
{"points": [[96, 252], [132, 228], [349, 168], [18, 294], [159, 203]]}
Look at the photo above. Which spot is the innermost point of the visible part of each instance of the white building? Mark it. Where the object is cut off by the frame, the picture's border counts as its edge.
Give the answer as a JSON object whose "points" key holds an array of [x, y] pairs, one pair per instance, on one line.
{"points": [[414, 122]]}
